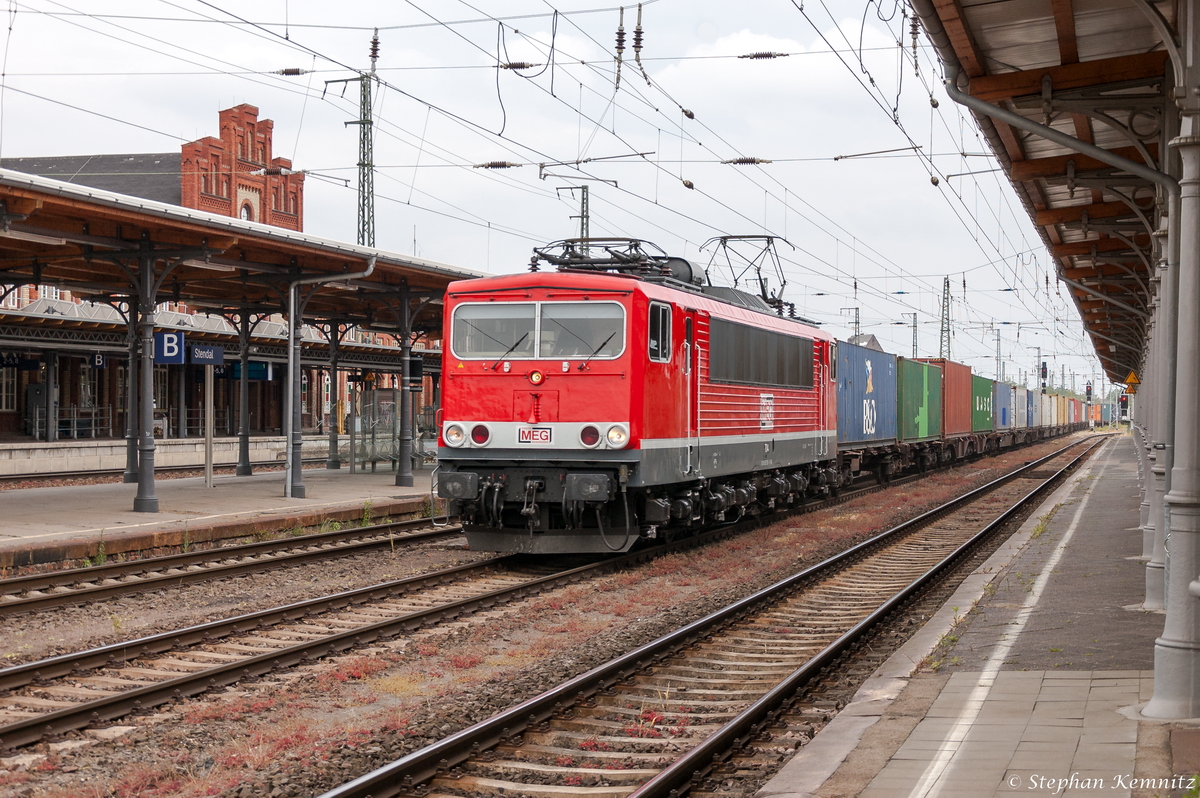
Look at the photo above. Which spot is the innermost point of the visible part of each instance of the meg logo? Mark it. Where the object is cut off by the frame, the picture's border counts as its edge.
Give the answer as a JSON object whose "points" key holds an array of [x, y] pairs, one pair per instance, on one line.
{"points": [[535, 435]]}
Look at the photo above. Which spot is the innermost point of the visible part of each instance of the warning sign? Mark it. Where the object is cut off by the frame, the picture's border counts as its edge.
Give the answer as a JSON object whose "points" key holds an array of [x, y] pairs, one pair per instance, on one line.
{"points": [[1132, 379], [1131, 390]]}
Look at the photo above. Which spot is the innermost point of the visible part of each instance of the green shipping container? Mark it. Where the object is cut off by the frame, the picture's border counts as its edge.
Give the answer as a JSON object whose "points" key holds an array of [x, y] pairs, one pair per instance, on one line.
{"points": [[982, 390], [920, 400]]}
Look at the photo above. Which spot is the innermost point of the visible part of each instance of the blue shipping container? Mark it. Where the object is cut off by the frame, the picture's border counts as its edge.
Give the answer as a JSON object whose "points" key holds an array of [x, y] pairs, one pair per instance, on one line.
{"points": [[1031, 416], [1002, 406], [866, 400]]}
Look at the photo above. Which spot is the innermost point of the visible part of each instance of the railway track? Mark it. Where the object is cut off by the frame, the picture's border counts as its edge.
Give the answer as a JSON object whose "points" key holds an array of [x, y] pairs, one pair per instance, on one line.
{"points": [[50, 697], [714, 707], [38, 592]]}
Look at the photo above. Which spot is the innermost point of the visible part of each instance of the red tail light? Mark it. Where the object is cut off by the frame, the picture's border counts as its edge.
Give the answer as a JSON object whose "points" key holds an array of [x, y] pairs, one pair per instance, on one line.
{"points": [[480, 434], [589, 436]]}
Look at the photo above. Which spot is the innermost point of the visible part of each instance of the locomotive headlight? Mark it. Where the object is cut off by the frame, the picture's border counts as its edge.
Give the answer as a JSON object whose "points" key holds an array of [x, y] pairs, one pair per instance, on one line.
{"points": [[617, 436], [455, 435], [537, 377]]}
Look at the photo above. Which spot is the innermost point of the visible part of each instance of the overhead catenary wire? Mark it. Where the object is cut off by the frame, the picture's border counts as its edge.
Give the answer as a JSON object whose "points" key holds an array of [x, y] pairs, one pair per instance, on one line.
{"points": [[704, 219]]}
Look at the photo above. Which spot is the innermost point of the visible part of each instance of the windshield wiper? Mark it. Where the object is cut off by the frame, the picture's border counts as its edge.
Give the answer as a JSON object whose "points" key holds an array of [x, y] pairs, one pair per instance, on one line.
{"points": [[596, 351], [510, 350]]}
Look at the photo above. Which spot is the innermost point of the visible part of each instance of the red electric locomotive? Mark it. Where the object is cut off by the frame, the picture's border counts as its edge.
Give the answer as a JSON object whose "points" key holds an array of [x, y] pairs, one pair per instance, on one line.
{"points": [[617, 398]]}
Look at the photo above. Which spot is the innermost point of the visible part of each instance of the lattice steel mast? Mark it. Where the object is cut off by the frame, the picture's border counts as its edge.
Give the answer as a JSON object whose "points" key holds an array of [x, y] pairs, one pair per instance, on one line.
{"points": [[944, 348], [366, 149]]}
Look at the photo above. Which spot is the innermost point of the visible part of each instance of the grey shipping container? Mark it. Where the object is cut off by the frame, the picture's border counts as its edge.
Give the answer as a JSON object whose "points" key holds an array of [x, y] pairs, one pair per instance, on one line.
{"points": [[866, 397], [1020, 407]]}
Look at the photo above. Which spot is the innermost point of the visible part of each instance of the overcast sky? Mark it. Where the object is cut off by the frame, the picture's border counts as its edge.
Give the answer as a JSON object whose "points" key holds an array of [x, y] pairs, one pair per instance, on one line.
{"points": [[871, 232]]}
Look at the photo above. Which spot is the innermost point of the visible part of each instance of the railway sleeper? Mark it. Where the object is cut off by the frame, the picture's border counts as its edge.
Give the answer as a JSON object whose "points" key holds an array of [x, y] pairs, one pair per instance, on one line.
{"points": [[476, 786], [588, 758]]}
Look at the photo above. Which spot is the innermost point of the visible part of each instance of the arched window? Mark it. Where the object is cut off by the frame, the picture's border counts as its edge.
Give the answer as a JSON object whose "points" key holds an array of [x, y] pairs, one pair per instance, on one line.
{"points": [[247, 213]]}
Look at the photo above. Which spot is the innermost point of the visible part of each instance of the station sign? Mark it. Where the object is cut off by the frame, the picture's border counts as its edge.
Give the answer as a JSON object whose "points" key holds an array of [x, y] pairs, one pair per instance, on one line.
{"points": [[98, 360], [207, 355], [257, 371], [169, 348], [10, 360]]}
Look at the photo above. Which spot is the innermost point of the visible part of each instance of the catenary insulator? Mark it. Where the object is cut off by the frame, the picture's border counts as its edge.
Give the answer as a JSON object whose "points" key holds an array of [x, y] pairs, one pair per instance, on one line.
{"points": [[765, 54], [688, 113], [518, 65], [495, 165], [291, 71], [688, 184], [933, 179], [746, 161]]}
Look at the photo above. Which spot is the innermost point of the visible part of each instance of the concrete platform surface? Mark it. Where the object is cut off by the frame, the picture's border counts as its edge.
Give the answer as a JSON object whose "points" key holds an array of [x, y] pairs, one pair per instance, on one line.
{"points": [[1029, 680], [47, 524]]}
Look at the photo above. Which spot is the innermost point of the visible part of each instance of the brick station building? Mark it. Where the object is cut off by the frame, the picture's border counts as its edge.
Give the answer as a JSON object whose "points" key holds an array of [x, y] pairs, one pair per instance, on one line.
{"points": [[233, 174], [236, 174]]}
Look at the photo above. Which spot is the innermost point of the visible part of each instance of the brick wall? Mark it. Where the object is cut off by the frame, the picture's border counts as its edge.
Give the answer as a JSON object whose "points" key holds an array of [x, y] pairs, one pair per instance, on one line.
{"points": [[219, 173]]}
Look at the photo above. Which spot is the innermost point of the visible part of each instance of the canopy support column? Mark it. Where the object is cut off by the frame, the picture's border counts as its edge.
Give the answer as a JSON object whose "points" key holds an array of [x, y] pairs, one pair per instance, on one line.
{"points": [[131, 395], [244, 469]]}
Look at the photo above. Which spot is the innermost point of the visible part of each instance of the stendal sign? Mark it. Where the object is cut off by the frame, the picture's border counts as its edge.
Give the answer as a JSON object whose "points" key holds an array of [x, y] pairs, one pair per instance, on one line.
{"points": [[208, 355]]}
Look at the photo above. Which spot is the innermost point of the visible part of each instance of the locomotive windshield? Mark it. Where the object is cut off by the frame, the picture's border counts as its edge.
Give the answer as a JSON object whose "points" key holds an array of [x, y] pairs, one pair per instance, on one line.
{"points": [[582, 329], [543, 330], [495, 329]]}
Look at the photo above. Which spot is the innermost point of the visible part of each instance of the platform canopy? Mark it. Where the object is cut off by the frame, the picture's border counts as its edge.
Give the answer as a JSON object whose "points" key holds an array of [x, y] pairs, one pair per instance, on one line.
{"points": [[91, 241], [1097, 71]]}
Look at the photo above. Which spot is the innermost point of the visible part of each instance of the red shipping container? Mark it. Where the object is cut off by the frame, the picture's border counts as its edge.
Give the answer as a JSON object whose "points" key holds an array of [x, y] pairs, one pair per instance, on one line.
{"points": [[956, 397]]}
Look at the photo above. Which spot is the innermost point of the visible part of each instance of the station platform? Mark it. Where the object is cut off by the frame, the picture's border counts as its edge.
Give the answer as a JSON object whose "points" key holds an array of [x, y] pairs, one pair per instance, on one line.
{"points": [[52, 524], [1029, 680]]}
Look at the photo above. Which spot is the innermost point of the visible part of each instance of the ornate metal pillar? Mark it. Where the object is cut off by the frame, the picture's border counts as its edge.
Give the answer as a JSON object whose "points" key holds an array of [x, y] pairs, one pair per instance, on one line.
{"points": [[131, 394], [244, 468], [146, 501], [1177, 651], [404, 474], [334, 461], [51, 396]]}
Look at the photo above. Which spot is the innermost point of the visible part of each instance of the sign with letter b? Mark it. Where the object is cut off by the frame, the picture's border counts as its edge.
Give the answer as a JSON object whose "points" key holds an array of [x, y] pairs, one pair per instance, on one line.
{"points": [[168, 348]]}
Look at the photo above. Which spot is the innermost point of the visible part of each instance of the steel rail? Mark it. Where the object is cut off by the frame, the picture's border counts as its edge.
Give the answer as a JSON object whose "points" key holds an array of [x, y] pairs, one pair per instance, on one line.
{"points": [[420, 766], [153, 573]]}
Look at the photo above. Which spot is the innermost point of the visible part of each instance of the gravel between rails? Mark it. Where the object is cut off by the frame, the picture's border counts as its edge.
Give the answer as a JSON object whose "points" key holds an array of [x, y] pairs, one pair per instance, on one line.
{"points": [[310, 729]]}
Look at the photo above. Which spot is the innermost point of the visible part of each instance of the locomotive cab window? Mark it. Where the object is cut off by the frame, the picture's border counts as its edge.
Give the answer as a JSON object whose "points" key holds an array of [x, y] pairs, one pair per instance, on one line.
{"points": [[582, 330], [531, 330], [659, 331], [493, 329]]}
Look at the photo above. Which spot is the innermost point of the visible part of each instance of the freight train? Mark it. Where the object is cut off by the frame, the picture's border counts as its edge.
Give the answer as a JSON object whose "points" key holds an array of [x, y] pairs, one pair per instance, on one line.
{"points": [[621, 398]]}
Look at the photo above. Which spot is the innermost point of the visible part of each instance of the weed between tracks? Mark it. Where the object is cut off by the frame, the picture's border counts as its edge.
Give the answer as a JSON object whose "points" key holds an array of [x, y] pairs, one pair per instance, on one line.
{"points": [[371, 707]]}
